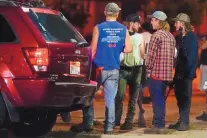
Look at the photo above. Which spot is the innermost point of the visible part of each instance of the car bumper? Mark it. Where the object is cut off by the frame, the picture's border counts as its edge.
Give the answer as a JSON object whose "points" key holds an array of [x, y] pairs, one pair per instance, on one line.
{"points": [[42, 93]]}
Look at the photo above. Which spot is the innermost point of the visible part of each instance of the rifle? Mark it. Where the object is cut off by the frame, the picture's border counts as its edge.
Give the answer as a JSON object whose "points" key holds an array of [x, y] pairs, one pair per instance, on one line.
{"points": [[171, 86], [141, 119], [144, 76]]}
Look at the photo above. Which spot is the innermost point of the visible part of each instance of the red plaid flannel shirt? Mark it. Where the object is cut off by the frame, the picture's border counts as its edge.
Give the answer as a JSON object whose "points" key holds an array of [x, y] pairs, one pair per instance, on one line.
{"points": [[160, 57]]}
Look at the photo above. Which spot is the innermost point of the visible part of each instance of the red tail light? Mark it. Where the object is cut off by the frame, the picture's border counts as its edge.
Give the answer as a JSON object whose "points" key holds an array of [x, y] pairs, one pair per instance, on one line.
{"points": [[38, 58]]}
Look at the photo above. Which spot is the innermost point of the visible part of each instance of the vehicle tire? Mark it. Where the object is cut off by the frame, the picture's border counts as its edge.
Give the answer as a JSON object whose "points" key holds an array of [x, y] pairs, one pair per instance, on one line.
{"points": [[3, 111], [37, 125]]}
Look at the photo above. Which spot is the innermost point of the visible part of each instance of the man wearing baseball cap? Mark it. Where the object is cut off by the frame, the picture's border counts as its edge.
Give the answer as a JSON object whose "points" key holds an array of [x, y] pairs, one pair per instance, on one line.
{"points": [[185, 70], [130, 74], [159, 65], [109, 39]]}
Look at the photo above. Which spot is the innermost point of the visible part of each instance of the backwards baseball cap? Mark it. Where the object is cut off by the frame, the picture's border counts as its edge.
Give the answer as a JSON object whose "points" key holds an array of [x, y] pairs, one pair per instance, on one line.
{"points": [[133, 18], [112, 8], [182, 17], [160, 15]]}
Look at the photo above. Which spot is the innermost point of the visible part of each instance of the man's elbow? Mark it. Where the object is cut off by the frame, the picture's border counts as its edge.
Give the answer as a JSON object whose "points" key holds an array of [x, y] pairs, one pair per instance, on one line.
{"points": [[142, 56], [128, 49]]}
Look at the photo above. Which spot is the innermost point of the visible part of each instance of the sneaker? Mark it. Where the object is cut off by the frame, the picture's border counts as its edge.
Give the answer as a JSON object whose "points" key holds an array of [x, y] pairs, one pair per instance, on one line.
{"points": [[141, 121], [81, 128], [183, 127], [205, 118], [202, 117], [155, 130], [126, 126], [174, 126]]}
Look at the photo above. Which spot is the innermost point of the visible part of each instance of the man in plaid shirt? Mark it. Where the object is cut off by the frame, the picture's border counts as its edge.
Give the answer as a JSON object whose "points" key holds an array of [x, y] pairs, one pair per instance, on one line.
{"points": [[159, 64]]}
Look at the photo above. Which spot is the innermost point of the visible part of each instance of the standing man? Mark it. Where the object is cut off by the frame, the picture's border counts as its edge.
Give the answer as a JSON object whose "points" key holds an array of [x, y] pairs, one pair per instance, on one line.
{"points": [[159, 65], [130, 73], [109, 39], [185, 70], [203, 76], [146, 32]]}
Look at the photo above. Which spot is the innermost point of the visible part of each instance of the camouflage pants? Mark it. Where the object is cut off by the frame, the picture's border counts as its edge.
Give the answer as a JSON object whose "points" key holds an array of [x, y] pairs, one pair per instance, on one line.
{"points": [[128, 76]]}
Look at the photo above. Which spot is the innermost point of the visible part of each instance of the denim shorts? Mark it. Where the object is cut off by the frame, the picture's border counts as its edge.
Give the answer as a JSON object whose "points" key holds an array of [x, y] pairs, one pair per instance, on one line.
{"points": [[203, 78]]}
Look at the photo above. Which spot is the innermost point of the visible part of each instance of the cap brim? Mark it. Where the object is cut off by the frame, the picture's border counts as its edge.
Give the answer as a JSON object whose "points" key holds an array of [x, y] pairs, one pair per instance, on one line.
{"points": [[150, 16], [175, 19], [111, 12]]}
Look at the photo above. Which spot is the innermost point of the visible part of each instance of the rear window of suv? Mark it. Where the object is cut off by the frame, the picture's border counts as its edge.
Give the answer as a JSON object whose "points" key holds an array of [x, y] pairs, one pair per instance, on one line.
{"points": [[55, 28]]}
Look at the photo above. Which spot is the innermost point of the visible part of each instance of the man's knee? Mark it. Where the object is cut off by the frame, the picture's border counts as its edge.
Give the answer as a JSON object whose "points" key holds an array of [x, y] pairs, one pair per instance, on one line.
{"points": [[109, 101], [119, 96]]}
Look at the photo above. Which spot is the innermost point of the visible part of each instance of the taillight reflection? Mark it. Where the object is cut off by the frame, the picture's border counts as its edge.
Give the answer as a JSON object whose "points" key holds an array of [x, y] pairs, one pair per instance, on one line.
{"points": [[38, 58]]}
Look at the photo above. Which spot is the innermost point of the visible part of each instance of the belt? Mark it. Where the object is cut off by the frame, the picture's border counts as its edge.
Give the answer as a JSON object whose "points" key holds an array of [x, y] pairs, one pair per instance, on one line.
{"points": [[130, 68]]}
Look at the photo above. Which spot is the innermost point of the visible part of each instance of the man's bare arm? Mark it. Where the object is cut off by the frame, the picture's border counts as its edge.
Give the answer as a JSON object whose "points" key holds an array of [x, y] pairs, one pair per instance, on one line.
{"points": [[128, 46], [142, 49], [204, 45], [94, 41]]}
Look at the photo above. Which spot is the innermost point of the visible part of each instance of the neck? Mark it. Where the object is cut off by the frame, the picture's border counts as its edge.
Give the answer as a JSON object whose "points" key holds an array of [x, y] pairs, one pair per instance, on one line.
{"points": [[183, 33], [110, 19], [130, 29]]}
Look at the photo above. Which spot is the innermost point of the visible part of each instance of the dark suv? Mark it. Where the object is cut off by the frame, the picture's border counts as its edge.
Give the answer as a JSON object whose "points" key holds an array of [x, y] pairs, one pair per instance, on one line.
{"points": [[45, 67]]}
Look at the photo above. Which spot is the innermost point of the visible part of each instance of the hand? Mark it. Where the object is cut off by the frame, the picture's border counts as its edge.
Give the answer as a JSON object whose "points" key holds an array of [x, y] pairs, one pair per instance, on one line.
{"points": [[171, 84], [148, 75], [145, 56]]}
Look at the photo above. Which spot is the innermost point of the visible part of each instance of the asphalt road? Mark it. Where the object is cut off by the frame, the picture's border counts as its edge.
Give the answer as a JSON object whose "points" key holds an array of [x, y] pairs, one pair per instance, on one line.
{"points": [[198, 128]]}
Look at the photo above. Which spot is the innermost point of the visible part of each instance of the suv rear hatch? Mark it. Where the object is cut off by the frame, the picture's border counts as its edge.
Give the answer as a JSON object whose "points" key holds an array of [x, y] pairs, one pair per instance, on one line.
{"points": [[69, 56]]}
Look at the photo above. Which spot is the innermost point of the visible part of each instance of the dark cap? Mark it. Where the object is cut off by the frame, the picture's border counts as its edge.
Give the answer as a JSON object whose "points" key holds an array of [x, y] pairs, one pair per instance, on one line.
{"points": [[133, 18]]}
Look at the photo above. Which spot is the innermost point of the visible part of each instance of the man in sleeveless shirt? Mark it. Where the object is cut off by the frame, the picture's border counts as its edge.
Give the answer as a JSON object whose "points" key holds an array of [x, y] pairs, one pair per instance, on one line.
{"points": [[110, 38], [130, 74]]}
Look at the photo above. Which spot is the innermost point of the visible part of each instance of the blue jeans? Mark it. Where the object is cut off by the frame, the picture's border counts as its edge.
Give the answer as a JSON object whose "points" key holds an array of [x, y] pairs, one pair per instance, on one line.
{"points": [[157, 91], [109, 79]]}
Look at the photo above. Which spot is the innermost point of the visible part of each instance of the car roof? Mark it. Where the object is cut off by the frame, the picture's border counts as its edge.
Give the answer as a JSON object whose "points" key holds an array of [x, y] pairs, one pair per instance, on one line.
{"points": [[41, 10], [25, 7]]}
